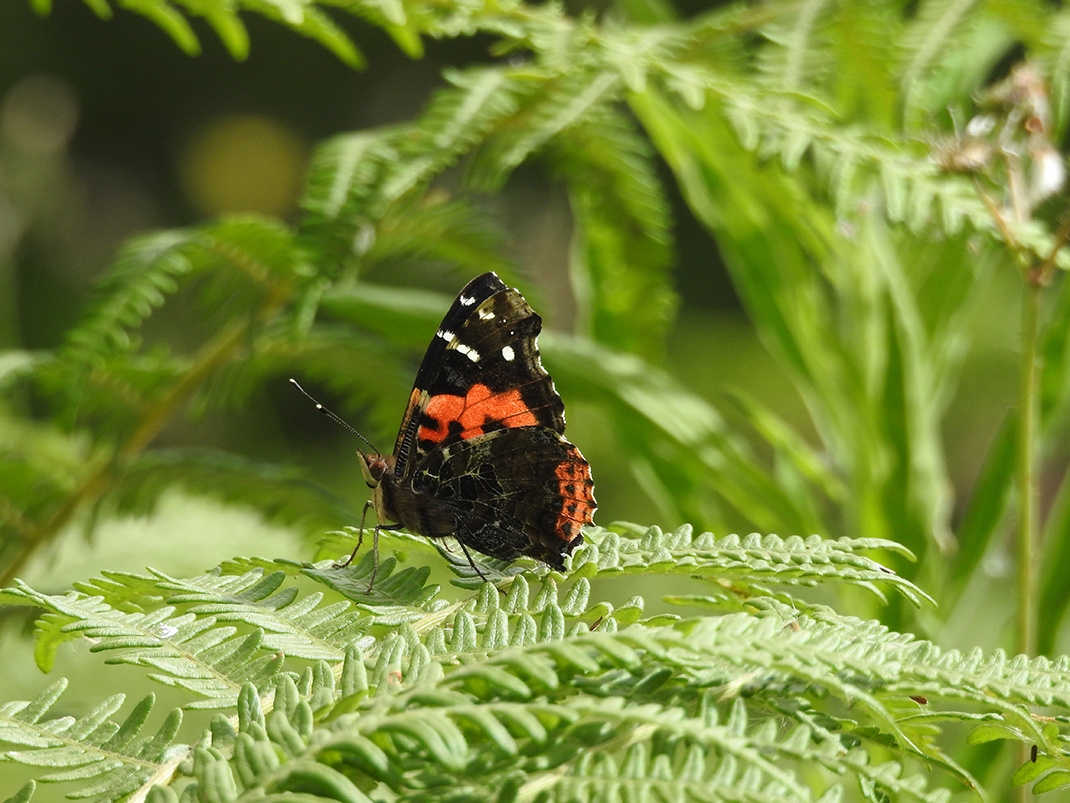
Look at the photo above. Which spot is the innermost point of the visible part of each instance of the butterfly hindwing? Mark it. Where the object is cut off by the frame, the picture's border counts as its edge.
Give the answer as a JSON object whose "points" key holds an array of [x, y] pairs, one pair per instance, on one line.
{"points": [[513, 492]]}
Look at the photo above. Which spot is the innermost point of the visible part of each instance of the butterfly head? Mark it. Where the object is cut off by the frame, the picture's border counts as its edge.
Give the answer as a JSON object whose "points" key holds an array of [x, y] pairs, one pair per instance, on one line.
{"points": [[374, 466]]}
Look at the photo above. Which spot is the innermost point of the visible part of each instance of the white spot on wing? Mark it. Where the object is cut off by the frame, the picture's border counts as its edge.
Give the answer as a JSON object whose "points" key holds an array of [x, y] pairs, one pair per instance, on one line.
{"points": [[486, 315], [468, 352], [445, 335], [466, 301], [508, 354]]}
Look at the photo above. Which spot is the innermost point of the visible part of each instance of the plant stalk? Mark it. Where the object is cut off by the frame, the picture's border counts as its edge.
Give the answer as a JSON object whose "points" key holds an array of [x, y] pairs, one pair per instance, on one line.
{"points": [[1028, 546], [1027, 471], [101, 477]]}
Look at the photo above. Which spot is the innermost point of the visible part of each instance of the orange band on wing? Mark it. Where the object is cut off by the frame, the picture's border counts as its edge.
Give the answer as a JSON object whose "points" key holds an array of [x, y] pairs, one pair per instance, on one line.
{"points": [[577, 490], [472, 412]]}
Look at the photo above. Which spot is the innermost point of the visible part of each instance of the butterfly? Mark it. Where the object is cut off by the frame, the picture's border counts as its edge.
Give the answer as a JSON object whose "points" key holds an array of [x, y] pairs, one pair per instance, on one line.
{"points": [[481, 454]]}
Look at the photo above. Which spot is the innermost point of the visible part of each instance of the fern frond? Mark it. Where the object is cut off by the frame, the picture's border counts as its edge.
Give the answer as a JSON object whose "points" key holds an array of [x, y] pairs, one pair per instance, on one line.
{"points": [[149, 269], [472, 725], [23, 795], [343, 172], [181, 628], [912, 187], [794, 59], [299, 627], [475, 692], [249, 262], [754, 559], [185, 651], [622, 238], [928, 37], [108, 759], [810, 43], [431, 228], [363, 185], [405, 591], [356, 176], [222, 17], [211, 634], [851, 158], [308, 20], [697, 774], [325, 355], [750, 561]]}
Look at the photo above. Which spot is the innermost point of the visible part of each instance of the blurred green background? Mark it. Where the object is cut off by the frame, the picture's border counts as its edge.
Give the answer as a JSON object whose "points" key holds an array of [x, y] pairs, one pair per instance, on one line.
{"points": [[108, 130]]}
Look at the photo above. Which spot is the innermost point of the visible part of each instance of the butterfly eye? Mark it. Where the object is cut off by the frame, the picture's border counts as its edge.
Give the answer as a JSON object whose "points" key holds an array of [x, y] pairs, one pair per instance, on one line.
{"points": [[373, 467]]}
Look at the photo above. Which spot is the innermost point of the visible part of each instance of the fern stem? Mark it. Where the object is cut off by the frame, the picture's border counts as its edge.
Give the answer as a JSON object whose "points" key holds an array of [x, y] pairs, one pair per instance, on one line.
{"points": [[1026, 625], [1027, 505], [1036, 279], [96, 483]]}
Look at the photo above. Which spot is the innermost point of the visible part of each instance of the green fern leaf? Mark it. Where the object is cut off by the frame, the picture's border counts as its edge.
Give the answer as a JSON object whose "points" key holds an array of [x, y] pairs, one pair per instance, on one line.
{"points": [[149, 269], [24, 794], [753, 559], [319, 27], [445, 721], [183, 650], [478, 692], [109, 759], [622, 242], [431, 229], [297, 627], [562, 102], [227, 26]]}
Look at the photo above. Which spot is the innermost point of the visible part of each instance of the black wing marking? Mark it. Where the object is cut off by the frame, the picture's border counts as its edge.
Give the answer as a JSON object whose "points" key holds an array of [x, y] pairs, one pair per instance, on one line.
{"points": [[468, 301]]}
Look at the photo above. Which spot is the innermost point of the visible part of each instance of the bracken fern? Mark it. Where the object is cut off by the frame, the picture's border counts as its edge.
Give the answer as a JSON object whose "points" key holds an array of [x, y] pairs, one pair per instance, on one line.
{"points": [[526, 689], [813, 141]]}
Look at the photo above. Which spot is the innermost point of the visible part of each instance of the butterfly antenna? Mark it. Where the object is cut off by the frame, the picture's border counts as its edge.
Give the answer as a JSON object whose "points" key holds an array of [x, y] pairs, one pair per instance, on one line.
{"points": [[336, 419]]}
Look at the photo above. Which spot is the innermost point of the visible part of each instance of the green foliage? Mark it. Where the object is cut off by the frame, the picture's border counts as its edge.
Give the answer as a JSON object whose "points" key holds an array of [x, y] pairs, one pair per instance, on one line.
{"points": [[107, 759], [527, 686], [863, 232]]}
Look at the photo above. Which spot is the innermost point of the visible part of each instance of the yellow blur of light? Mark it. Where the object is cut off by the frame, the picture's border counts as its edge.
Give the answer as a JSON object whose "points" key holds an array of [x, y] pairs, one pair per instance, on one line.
{"points": [[243, 163], [39, 114]]}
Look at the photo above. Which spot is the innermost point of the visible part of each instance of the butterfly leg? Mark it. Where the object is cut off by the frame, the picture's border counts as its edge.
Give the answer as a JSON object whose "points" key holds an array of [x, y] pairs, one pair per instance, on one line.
{"points": [[375, 544], [471, 562], [375, 550], [360, 538]]}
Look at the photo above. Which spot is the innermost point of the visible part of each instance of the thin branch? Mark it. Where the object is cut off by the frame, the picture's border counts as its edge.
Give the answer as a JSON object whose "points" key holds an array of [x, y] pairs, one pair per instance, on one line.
{"points": [[101, 477]]}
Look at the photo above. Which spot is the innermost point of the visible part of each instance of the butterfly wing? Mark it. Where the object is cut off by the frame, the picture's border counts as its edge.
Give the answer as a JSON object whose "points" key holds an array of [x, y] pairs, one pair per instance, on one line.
{"points": [[512, 492], [482, 372]]}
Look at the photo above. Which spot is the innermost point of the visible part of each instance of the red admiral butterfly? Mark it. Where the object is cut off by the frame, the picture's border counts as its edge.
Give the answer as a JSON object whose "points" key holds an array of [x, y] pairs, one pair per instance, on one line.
{"points": [[481, 455]]}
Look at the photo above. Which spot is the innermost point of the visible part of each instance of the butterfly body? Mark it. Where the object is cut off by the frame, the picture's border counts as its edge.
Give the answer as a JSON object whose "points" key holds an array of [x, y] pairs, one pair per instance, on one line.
{"points": [[481, 453]]}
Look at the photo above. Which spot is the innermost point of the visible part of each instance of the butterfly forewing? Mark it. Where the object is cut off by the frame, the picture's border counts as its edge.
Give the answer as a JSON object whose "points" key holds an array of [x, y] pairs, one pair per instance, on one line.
{"points": [[474, 293], [481, 373]]}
